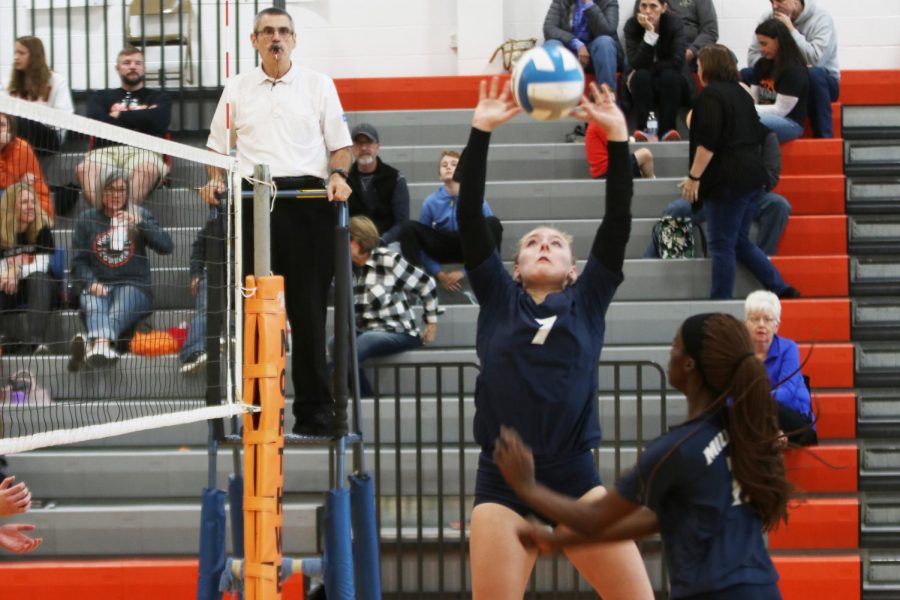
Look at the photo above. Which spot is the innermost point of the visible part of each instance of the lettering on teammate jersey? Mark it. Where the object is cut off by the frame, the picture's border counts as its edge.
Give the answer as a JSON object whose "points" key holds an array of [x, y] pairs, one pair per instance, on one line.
{"points": [[715, 447], [737, 494], [543, 331]]}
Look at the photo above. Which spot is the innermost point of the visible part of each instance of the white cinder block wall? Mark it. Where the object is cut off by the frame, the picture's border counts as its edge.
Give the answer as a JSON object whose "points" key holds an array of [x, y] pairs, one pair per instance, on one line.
{"points": [[396, 38]]}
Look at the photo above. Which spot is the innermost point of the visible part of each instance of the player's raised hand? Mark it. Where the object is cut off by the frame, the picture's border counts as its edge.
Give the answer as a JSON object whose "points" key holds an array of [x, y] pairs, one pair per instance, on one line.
{"points": [[495, 105], [602, 110], [514, 459]]}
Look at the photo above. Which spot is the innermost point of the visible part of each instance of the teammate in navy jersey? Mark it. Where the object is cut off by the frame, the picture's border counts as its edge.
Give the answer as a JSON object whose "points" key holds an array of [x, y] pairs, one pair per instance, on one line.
{"points": [[710, 486], [540, 332]]}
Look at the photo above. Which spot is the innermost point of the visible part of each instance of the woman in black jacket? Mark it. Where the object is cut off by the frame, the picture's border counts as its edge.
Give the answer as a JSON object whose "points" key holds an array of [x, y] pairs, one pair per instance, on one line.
{"points": [[727, 173], [654, 44]]}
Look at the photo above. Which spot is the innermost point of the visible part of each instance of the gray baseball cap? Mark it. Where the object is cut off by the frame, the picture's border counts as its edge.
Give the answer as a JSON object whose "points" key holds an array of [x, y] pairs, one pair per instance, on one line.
{"points": [[365, 129]]}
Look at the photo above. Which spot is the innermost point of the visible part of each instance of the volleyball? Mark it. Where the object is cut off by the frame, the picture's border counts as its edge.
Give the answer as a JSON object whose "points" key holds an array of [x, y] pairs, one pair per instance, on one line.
{"points": [[548, 82]]}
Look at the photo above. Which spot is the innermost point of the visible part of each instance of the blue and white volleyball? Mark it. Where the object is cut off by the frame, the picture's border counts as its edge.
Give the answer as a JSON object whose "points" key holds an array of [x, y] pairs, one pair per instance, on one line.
{"points": [[548, 82]]}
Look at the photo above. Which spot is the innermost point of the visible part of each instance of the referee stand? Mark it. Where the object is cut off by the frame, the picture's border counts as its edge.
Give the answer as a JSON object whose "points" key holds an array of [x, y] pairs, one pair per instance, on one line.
{"points": [[350, 564]]}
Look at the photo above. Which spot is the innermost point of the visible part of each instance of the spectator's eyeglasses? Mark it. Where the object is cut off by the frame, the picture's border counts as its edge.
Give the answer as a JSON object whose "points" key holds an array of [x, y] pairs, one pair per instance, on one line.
{"points": [[115, 190], [270, 31], [762, 319]]}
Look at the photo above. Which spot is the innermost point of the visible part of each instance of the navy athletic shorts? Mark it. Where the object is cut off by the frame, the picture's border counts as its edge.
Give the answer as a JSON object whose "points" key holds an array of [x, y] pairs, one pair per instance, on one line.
{"points": [[572, 475], [744, 591]]}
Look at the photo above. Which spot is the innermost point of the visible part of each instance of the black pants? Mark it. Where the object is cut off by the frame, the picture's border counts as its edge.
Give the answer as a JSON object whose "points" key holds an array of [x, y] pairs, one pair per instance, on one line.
{"points": [[302, 238], [443, 246], [36, 293], [663, 91], [797, 426]]}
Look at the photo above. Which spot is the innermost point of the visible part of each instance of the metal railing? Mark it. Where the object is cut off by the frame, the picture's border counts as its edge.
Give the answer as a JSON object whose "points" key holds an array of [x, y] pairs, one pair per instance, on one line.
{"points": [[183, 52], [419, 428]]}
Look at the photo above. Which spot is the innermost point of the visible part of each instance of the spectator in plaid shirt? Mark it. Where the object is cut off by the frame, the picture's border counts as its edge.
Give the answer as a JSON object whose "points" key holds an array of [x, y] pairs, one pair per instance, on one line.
{"points": [[382, 281]]}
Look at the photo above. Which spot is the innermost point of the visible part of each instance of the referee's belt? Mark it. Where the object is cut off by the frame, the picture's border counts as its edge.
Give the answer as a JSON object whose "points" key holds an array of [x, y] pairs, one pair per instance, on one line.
{"points": [[304, 182]]}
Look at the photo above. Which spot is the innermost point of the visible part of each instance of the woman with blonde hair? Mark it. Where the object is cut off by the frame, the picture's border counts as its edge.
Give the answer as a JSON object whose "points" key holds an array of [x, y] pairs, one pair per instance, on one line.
{"points": [[26, 244], [540, 334], [32, 80]]}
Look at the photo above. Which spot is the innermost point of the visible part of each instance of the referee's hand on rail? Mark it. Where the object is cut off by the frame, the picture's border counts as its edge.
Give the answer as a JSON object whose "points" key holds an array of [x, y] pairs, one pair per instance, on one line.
{"points": [[338, 189]]}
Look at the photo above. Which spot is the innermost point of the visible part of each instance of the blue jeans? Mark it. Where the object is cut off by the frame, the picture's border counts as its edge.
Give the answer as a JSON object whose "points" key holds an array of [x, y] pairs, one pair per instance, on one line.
{"points": [[772, 212], [823, 90], [111, 315], [729, 217], [196, 335], [604, 53], [372, 344], [787, 130]]}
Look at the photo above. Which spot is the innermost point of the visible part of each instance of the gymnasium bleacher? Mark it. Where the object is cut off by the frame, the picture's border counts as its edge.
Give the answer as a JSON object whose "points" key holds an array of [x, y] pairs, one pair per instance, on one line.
{"points": [[126, 502]]}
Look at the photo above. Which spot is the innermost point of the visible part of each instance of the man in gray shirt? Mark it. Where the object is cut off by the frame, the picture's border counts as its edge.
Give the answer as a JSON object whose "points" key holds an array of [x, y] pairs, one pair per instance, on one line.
{"points": [[588, 28], [813, 29]]}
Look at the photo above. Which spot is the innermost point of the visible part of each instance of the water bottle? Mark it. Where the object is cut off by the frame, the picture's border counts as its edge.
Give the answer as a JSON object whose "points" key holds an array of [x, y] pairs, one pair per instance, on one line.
{"points": [[119, 237], [652, 127]]}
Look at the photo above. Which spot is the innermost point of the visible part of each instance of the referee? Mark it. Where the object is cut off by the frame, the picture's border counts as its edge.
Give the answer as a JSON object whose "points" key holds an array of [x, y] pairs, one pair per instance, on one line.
{"points": [[290, 118]]}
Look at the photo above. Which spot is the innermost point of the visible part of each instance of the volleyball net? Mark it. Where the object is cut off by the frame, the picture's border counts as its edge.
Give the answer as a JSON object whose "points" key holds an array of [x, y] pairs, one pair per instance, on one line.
{"points": [[115, 282]]}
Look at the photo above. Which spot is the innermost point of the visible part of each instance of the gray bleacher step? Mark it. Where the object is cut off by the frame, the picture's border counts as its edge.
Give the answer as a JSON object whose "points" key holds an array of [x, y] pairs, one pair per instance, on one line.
{"points": [[562, 199], [873, 195], [451, 127], [550, 159], [877, 364], [874, 234], [870, 122], [874, 275], [872, 158], [876, 319], [515, 162], [148, 474], [879, 412], [879, 518], [881, 575], [170, 527], [879, 465]]}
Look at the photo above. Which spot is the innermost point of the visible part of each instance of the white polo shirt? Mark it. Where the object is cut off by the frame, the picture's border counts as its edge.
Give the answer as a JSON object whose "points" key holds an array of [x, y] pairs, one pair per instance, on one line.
{"points": [[291, 124]]}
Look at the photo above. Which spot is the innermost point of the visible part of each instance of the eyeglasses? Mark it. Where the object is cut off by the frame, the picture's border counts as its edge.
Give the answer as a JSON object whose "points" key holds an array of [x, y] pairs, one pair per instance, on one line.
{"points": [[762, 319], [270, 31], [115, 190]]}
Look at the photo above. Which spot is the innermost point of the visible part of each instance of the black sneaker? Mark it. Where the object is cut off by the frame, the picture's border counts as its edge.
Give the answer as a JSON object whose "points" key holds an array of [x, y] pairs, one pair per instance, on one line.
{"points": [[76, 360], [194, 363], [320, 424]]}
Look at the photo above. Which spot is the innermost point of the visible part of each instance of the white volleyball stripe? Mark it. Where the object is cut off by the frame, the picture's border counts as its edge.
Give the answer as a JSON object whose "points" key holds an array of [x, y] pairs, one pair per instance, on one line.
{"points": [[541, 60], [570, 63], [541, 94]]}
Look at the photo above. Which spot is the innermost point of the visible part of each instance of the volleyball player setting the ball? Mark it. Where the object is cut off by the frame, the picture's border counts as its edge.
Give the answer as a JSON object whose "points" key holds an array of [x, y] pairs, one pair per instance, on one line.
{"points": [[540, 333], [709, 486]]}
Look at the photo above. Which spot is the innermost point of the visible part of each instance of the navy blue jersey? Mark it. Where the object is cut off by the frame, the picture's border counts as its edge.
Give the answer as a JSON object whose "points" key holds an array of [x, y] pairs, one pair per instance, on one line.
{"points": [[539, 361], [713, 540]]}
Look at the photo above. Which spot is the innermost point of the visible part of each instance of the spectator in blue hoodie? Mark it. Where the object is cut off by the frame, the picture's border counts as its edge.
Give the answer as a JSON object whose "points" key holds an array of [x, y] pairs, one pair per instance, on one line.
{"points": [[111, 269], [434, 239]]}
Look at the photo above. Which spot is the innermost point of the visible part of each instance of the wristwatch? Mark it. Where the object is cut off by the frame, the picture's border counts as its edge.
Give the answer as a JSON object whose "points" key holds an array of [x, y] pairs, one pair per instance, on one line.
{"points": [[340, 172]]}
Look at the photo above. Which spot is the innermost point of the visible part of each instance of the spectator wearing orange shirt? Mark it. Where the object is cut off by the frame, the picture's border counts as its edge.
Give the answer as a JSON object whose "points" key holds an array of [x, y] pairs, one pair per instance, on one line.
{"points": [[598, 158], [18, 164]]}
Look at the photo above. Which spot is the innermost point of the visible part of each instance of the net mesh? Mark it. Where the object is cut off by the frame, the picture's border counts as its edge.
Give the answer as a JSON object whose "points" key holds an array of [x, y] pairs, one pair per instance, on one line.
{"points": [[113, 280]]}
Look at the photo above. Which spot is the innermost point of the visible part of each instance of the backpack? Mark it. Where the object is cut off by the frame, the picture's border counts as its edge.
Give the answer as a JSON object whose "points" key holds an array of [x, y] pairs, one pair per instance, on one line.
{"points": [[678, 237]]}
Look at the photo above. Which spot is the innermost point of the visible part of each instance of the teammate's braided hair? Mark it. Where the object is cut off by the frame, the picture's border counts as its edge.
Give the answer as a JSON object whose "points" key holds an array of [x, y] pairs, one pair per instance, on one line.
{"points": [[741, 386]]}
